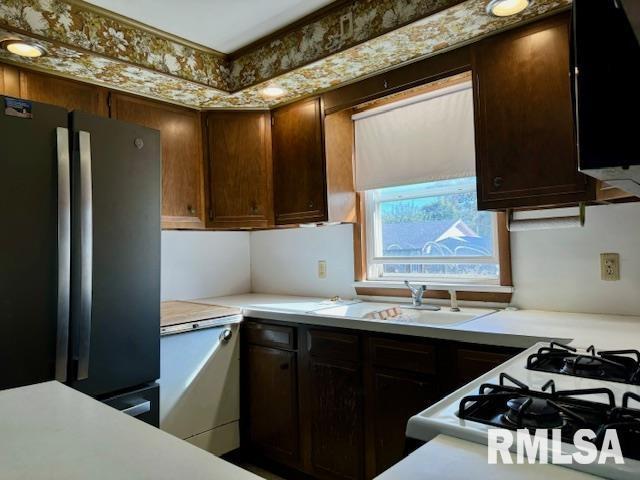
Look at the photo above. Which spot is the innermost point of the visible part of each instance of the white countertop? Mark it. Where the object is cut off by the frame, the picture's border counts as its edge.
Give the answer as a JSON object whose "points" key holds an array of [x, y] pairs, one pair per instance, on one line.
{"points": [[519, 328], [49, 431], [449, 458]]}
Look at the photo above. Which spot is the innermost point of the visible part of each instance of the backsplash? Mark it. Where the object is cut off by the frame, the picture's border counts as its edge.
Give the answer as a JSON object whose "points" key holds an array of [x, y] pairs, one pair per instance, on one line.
{"points": [[552, 269], [204, 264]]}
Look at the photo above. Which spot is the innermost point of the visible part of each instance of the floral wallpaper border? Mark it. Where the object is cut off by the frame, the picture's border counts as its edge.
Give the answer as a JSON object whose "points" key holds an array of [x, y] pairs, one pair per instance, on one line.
{"points": [[444, 30], [322, 37], [83, 28]]}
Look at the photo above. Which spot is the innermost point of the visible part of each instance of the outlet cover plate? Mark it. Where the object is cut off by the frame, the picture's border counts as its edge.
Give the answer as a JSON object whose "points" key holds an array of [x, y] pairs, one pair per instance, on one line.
{"points": [[322, 269], [610, 266]]}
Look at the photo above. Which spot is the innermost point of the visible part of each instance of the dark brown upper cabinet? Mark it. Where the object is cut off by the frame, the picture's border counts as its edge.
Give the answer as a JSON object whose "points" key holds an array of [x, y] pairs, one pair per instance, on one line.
{"points": [[298, 163], [525, 148], [181, 138], [239, 170], [64, 93]]}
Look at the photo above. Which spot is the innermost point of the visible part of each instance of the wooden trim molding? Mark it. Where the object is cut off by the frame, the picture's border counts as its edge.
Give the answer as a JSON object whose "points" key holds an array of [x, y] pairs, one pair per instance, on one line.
{"points": [[469, 296]]}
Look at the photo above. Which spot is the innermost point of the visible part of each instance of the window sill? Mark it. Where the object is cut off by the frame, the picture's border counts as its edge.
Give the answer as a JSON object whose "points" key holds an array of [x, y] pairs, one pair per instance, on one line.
{"points": [[466, 292]]}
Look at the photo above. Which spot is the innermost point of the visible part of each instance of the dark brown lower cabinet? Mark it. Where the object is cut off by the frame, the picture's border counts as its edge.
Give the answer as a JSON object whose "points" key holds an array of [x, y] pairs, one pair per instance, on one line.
{"points": [[470, 363], [333, 403], [336, 408], [396, 397], [271, 395]]}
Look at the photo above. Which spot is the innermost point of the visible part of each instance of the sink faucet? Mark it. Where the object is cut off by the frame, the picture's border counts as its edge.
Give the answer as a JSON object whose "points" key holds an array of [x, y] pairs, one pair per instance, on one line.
{"points": [[416, 293]]}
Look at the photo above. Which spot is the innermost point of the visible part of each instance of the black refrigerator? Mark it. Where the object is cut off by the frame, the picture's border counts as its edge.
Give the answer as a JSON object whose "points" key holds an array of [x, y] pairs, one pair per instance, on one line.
{"points": [[80, 254]]}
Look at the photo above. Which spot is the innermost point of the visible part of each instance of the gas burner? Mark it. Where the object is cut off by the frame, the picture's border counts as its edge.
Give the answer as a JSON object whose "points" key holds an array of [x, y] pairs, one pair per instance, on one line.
{"points": [[611, 365], [532, 412], [516, 406]]}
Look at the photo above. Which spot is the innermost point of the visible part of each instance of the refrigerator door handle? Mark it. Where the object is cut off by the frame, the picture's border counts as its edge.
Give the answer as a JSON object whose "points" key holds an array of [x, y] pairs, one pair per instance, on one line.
{"points": [[64, 254], [86, 254]]}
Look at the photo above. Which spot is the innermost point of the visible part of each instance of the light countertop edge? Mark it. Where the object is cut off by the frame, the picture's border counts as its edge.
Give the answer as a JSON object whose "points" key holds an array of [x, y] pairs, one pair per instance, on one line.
{"points": [[508, 328]]}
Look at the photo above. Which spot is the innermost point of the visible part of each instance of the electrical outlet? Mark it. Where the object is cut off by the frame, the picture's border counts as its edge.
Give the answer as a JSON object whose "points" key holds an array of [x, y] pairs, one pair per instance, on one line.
{"points": [[610, 266], [346, 25], [322, 269]]}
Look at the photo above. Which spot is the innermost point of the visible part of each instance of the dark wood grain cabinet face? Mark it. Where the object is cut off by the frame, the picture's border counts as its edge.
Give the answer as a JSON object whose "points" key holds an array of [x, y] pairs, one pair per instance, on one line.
{"points": [[336, 409], [334, 403], [525, 148], [64, 93], [239, 169], [271, 416], [472, 363], [299, 163], [181, 138], [396, 397]]}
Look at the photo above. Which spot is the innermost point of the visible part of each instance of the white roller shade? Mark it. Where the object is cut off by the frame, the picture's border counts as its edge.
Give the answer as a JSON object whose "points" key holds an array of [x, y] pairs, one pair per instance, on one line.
{"points": [[424, 138]]}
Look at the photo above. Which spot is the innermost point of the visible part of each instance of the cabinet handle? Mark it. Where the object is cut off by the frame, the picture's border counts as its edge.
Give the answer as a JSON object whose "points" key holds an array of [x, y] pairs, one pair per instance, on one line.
{"points": [[497, 182], [191, 210], [310, 204], [254, 207], [284, 366]]}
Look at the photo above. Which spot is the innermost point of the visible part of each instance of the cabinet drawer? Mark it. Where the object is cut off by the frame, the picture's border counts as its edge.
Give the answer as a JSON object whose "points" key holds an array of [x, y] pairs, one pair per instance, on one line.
{"points": [[401, 355], [473, 363], [333, 345], [270, 335]]}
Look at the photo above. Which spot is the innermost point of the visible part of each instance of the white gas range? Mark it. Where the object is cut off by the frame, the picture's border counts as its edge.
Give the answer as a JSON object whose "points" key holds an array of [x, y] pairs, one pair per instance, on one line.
{"points": [[586, 409]]}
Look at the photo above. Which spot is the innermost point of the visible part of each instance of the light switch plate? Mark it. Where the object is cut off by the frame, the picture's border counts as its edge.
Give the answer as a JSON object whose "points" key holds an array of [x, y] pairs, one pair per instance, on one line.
{"points": [[322, 269], [610, 266]]}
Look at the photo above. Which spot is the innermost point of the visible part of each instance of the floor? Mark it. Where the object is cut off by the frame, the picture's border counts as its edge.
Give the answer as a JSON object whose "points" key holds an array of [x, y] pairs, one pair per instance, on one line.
{"points": [[260, 471]]}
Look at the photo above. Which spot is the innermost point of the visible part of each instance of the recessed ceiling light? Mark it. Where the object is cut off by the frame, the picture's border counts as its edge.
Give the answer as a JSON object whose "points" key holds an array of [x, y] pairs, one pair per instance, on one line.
{"points": [[24, 48], [273, 92], [504, 8]]}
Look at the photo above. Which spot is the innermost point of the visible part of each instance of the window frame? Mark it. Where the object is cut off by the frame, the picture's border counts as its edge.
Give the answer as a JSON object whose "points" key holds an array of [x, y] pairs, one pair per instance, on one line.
{"points": [[375, 262], [498, 292]]}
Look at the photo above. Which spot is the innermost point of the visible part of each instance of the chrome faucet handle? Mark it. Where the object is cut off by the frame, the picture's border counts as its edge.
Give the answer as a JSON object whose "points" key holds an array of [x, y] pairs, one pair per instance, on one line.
{"points": [[416, 292], [454, 301]]}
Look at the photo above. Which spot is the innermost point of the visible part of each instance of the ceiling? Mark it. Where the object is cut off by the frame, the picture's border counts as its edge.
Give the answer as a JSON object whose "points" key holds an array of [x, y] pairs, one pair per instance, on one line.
{"points": [[223, 25]]}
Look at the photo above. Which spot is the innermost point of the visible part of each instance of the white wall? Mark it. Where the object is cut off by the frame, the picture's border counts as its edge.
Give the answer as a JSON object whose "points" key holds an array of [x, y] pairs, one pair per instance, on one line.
{"points": [[560, 269], [204, 264], [553, 269], [286, 261]]}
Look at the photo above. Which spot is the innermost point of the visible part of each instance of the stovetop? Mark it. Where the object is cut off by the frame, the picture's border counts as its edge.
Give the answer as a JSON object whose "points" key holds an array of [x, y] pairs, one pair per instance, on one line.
{"points": [[513, 396], [514, 405], [610, 365]]}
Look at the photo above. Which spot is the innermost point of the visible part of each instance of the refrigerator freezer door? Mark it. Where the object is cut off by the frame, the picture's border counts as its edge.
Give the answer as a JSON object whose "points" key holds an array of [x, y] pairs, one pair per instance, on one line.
{"points": [[29, 244], [123, 332]]}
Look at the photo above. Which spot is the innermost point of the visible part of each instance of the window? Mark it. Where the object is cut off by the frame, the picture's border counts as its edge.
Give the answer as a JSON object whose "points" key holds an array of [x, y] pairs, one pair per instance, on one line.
{"points": [[431, 231]]}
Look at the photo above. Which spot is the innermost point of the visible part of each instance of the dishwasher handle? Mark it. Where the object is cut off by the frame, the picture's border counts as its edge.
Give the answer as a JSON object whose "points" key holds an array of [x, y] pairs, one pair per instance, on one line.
{"points": [[226, 335]]}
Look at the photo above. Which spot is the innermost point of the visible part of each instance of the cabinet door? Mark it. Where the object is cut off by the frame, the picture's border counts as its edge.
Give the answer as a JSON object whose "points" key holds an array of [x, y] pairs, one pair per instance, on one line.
{"points": [[180, 135], [396, 397], [239, 161], [336, 412], [9, 81], [299, 164], [525, 148], [271, 419], [64, 93]]}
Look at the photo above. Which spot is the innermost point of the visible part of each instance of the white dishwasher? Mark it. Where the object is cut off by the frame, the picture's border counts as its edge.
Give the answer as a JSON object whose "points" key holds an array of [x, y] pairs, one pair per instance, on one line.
{"points": [[200, 379]]}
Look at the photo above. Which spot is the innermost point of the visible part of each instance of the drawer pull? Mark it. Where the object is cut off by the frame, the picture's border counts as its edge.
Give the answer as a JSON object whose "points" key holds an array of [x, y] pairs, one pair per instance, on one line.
{"points": [[139, 409]]}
